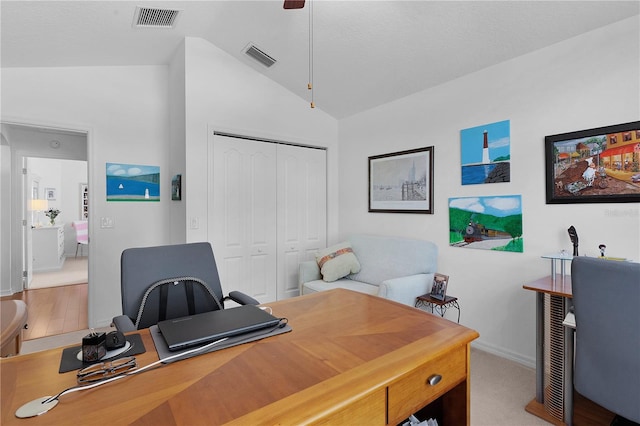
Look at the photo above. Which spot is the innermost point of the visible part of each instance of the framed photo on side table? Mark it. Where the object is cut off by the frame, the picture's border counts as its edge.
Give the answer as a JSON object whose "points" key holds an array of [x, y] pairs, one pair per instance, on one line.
{"points": [[439, 288]]}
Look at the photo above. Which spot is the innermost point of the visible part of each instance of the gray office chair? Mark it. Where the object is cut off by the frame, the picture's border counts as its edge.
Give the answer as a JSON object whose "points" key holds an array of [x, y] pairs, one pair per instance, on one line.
{"points": [[606, 298], [171, 281]]}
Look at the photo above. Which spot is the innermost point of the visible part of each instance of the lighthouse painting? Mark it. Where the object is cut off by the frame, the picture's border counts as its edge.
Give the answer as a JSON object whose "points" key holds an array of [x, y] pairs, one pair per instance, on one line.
{"points": [[486, 153], [132, 182]]}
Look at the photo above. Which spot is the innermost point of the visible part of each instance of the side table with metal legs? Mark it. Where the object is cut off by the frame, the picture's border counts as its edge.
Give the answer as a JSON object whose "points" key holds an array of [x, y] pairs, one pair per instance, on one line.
{"points": [[437, 305]]}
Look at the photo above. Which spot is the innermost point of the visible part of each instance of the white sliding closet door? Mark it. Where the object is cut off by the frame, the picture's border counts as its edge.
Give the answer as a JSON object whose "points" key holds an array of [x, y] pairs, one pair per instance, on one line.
{"points": [[243, 216], [268, 212], [302, 211]]}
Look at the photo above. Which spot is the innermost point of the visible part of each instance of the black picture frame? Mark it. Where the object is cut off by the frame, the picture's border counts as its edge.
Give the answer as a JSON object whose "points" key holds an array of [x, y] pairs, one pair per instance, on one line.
{"points": [[402, 182], [439, 287], [599, 165], [176, 188], [50, 194]]}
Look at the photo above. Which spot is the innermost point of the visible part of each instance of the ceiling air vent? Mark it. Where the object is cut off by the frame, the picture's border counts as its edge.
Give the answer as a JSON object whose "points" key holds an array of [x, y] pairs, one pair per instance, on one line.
{"points": [[147, 17], [259, 55]]}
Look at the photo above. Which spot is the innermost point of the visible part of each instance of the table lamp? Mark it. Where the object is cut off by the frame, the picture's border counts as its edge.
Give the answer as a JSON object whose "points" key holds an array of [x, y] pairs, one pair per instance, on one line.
{"points": [[38, 206]]}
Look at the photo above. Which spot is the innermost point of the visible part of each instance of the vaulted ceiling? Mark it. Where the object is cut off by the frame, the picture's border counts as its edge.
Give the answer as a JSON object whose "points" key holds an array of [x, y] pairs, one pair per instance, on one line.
{"points": [[366, 53]]}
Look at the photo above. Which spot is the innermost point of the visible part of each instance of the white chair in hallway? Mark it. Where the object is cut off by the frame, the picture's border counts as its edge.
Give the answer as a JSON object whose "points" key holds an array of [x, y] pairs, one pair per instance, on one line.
{"points": [[82, 234]]}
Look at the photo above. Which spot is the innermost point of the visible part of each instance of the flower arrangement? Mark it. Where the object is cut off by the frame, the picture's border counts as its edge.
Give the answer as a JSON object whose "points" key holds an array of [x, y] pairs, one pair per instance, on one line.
{"points": [[52, 214]]}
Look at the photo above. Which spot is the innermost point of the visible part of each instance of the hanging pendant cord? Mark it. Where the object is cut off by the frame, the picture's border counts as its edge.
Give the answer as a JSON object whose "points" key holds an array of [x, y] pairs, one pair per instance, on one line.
{"points": [[310, 85]]}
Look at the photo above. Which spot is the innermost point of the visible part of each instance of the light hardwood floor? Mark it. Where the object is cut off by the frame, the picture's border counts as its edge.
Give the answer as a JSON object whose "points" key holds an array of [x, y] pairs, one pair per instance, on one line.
{"points": [[55, 310]]}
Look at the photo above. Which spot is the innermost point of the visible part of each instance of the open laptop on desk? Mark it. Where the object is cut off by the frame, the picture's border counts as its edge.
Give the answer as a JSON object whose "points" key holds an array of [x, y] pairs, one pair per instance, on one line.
{"points": [[193, 330]]}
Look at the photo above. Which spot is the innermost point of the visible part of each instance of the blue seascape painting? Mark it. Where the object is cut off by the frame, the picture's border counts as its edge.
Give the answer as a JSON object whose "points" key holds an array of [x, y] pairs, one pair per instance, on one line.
{"points": [[129, 182], [476, 173], [486, 153]]}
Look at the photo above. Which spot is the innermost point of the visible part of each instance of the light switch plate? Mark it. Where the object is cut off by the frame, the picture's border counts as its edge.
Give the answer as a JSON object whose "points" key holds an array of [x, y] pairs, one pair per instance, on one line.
{"points": [[106, 223], [194, 223]]}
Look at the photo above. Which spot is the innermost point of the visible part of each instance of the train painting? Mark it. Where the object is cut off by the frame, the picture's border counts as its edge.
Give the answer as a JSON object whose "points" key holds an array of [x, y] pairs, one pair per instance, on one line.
{"points": [[487, 223]]}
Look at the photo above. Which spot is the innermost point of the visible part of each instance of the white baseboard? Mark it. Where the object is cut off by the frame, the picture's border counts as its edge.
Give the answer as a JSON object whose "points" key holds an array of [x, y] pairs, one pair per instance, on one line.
{"points": [[501, 352]]}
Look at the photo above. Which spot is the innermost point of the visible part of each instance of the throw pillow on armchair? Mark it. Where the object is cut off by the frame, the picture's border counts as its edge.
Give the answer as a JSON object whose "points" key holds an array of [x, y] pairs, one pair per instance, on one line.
{"points": [[337, 261]]}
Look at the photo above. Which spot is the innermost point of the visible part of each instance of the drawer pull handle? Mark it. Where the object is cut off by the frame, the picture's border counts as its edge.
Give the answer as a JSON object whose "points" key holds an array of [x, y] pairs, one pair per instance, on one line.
{"points": [[434, 380]]}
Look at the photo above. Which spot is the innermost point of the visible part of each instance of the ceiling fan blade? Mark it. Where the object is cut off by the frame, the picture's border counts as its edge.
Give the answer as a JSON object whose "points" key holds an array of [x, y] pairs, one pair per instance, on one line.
{"points": [[293, 4]]}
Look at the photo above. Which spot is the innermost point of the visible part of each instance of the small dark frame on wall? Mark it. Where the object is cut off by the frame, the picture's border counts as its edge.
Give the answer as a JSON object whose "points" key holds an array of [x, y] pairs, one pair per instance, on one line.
{"points": [[402, 182], [50, 194], [600, 165], [176, 188]]}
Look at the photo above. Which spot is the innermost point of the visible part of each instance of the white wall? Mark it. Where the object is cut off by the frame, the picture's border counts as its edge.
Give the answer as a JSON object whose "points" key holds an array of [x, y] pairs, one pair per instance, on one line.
{"points": [[5, 214], [177, 165], [226, 95], [125, 111], [586, 82], [589, 81], [133, 115]]}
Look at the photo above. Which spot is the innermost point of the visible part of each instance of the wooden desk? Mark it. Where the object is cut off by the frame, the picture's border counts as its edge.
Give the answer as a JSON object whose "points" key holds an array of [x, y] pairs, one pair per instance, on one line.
{"points": [[351, 358], [13, 320], [554, 400]]}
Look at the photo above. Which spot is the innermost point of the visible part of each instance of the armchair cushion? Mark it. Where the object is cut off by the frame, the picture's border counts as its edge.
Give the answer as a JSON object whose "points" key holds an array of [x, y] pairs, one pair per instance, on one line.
{"points": [[383, 258], [337, 261], [321, 285], [308, 271]]}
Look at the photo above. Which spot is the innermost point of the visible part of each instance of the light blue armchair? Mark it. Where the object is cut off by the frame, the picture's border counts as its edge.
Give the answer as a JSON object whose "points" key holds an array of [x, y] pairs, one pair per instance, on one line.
{"points": [[395, 268]]}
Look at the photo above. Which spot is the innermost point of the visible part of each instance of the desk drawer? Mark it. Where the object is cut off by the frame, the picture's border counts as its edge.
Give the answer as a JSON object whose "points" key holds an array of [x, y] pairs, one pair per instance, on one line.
{"points": [[413, 391]]}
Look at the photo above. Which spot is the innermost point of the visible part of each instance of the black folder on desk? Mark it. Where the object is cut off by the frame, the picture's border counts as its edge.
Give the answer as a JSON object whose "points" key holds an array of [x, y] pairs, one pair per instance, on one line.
{"points": [[192, 330]]}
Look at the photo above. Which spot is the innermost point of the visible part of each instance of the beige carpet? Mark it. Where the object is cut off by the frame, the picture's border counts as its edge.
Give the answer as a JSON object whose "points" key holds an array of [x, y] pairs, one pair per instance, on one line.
{"points": [[500, 389], [74, 271]]}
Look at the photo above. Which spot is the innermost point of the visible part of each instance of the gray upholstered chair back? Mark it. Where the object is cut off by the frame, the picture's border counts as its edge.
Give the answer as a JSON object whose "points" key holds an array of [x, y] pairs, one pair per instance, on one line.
{"points": [[142, 267], [606, 297]]}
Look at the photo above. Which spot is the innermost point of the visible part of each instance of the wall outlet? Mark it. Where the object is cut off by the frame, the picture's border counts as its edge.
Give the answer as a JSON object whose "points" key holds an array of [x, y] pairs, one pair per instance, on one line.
{"points": [[106, 223]]}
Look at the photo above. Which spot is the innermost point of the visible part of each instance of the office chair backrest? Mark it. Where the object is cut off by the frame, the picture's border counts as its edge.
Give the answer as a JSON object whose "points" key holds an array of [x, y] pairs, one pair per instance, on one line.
{"points": [[143, 267], [606, 297]]}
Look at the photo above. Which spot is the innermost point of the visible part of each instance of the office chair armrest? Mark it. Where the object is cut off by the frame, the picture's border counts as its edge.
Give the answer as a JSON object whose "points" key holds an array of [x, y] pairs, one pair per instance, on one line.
{"points": [[242, 298], [123, 324]]}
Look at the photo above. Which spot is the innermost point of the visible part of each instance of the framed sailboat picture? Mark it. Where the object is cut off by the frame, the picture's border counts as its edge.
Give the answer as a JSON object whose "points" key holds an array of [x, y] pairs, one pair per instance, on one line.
{"points": [[132, 182]]}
